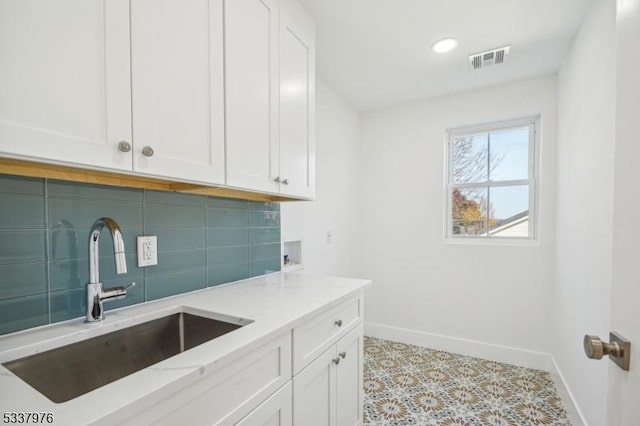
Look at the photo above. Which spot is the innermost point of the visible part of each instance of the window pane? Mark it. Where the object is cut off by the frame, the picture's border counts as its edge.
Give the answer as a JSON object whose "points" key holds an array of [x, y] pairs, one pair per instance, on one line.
{"points": [[469, 163], [469, 212], [509, 154], [509, 211]]}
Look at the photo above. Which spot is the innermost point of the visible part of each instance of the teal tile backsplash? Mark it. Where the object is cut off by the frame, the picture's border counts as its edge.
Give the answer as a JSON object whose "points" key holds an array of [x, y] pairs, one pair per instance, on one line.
{"points": [[227, 217], [44, 231], [20, 185], [21, 212], [222, 237], [23, 246], [33, 279], [219, 274], [23, 312]]}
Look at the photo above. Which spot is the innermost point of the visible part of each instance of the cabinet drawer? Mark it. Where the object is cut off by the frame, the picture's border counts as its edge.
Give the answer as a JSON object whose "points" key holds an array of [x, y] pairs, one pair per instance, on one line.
{"points": [[228, 394], [313, 337]]}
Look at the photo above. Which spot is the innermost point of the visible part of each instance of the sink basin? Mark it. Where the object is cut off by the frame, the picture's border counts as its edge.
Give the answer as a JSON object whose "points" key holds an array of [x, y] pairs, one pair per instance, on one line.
{"points": [[67, 372]]}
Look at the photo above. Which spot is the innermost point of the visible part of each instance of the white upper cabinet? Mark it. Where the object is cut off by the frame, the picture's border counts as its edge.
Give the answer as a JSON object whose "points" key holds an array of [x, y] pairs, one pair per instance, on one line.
{"points": [[65, 81], [178, 88], [297, 102], [217, 92], [251, 96], [270, 97]]}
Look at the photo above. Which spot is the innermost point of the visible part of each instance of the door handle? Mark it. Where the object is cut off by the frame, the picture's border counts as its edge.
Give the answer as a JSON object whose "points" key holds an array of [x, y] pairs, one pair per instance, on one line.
{"points": [[618, 349]]}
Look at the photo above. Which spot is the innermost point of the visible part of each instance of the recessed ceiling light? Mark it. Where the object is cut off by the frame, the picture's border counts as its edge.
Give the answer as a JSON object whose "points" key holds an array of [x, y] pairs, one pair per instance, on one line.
{"points": [[444, 45]]}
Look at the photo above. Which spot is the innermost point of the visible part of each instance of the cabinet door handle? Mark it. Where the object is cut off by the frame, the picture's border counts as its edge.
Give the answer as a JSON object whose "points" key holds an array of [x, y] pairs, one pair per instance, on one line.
{"points": [[147, 151], [338, 323], [342, 355], [286, 181], [276, 179], [336, 361], [124, 146]]}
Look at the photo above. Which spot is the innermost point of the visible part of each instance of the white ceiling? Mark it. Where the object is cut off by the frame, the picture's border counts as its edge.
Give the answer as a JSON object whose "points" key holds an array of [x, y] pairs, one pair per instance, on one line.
{"points": [[378, 53]]}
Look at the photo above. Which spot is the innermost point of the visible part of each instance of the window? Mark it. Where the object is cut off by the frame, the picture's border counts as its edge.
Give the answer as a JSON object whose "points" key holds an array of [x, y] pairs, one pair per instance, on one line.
{"points": [[491, 182]]}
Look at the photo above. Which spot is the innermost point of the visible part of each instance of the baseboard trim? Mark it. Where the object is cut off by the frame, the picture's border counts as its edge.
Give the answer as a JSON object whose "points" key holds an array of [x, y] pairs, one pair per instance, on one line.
{"points": [[507, 354], [573, 409]]}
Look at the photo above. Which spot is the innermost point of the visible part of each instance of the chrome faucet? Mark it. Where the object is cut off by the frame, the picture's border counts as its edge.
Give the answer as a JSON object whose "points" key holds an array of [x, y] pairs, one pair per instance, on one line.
{"points": [[95, 294]]}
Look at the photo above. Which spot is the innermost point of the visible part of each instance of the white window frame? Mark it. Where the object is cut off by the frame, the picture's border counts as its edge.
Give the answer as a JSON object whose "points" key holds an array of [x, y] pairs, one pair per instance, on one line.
{"points": [[534, 124]]}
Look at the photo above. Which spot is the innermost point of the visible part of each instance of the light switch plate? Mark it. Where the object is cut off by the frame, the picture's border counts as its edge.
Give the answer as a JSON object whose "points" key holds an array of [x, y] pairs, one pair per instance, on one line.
{"points": [[147, 251]]}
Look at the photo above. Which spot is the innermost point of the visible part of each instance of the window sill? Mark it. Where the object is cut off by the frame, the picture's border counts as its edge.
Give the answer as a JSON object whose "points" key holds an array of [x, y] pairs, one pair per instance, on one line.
{"points": [[509, 242]]}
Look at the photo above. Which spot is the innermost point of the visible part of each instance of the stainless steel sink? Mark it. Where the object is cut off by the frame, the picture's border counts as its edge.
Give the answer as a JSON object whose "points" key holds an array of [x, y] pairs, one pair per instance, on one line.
{"points": [[67, 372]]}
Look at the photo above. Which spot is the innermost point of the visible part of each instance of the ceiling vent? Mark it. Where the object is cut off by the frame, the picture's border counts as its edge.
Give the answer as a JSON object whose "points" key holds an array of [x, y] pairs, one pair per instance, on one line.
{"points": [[490, 57]]}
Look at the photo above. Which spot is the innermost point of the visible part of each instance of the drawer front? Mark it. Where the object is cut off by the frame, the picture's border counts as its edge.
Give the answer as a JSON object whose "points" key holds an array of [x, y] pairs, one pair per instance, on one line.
{"points": [[227, 395], [313, 337]]}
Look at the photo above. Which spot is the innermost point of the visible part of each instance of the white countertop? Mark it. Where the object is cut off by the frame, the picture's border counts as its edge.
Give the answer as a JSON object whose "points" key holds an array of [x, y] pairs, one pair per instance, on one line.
{"points": [[275, 303]]}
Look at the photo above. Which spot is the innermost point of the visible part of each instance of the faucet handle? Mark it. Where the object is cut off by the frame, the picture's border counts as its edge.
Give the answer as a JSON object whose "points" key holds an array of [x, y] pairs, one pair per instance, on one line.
{"points": [[116, 293], [123, 290]]}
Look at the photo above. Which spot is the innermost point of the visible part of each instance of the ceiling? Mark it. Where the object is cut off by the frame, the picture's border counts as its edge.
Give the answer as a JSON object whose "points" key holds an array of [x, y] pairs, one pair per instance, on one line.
{"points": [[377, 53]]}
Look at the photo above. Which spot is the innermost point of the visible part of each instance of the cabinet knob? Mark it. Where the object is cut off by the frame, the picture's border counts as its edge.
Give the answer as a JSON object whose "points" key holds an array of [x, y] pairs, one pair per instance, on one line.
{"points": [[147, 151], [276, 179], [286, 181], [336, 361], [124, 146], [342, 355], [338, 323]]}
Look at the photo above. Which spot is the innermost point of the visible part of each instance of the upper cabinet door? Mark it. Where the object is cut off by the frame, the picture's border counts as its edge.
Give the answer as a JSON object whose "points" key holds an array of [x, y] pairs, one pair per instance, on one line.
{"points": [[297, 102], [65, 81], [251, 89], [178, 88]]}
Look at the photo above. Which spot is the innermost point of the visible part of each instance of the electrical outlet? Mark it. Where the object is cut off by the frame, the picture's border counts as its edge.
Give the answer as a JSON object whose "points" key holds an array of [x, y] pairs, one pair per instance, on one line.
{"points": [[147, 251], [329, 236]]}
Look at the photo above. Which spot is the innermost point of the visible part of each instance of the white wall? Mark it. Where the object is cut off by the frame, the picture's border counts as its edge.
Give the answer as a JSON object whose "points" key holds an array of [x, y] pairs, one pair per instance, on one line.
{"points": [[584, 207], [335, 207], [380, 190], [492, 294]]}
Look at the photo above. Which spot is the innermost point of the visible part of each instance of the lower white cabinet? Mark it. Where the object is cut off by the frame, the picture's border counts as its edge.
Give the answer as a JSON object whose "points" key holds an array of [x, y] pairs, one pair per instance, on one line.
{"points": [[314, 336], [310, 375], [329, 390], [275, 411], [225, 396], [314, 397], [349, 384]]}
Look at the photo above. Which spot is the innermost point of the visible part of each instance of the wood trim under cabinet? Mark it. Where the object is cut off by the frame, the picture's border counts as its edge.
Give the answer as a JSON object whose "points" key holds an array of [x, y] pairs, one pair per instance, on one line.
{"points": [[14, 167]]}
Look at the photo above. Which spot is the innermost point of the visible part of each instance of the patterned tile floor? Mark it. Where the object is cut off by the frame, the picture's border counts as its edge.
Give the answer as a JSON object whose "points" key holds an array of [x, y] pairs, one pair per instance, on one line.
{"points": [[410, 385]]}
